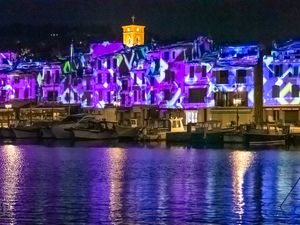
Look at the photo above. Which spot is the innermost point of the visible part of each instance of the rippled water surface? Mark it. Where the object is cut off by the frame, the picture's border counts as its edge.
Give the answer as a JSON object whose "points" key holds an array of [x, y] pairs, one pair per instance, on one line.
{"points": [[143, 184]]}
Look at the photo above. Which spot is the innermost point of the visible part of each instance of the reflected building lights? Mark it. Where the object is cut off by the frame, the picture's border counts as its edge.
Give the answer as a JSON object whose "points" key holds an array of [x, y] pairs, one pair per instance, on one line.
{"points": [[12, 170], [240, 162], [117, 158]]}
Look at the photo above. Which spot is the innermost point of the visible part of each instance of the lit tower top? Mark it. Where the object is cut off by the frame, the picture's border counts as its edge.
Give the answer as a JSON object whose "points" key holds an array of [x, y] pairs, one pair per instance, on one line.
{"points": [[133, 34]]}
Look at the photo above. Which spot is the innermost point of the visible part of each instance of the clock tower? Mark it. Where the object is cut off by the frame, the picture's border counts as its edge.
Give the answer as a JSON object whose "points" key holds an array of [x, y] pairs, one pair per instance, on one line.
{"points": [[133, 34]]}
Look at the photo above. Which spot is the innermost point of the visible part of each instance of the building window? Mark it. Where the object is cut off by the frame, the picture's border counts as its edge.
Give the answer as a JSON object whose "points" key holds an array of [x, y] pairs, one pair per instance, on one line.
{"points": [[166, 55], [67, 97], [295, 91], [278, 70], [143, 95], [99, 64], [152, 95], [108, 63], [75, 97], [203, 71], [17, 80], [108, 97], [99, 78], [135, 95], [241, 76], [275, 91], [88, 85], [123, 99], [296, 71], [197, 95], [89, 100], [108, 77], [134, 78], [115, 78], [56, 77], [173, 55], [167, 94], [52, 95], [114, 63], [143, 78], [17, 93], [48, 77], [222, 77], [192, 71], [26, 93], [124, 85], [191, 116]]}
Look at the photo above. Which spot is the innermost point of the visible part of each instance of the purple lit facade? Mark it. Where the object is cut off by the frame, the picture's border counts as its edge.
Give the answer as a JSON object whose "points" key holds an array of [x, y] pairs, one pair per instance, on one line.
{"points": [[18, 85], [190, 76], [281, 82]]}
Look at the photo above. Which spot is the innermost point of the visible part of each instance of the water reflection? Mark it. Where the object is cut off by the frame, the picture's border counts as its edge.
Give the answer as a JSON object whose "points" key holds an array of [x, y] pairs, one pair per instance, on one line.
{"points": [[117, 159], [240, 161], [12, 165]]}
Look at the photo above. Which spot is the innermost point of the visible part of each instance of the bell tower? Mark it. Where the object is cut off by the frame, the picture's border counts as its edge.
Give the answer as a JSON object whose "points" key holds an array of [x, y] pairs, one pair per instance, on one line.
{"points": [[133, 34]]}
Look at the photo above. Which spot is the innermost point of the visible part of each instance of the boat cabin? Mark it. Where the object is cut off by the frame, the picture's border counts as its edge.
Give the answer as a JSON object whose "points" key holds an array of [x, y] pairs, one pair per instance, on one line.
{"points": [[176, 124]]}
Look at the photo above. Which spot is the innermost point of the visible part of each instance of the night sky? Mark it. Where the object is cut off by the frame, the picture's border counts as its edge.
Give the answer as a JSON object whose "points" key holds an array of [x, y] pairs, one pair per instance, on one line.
{"points": [[224, 20]]}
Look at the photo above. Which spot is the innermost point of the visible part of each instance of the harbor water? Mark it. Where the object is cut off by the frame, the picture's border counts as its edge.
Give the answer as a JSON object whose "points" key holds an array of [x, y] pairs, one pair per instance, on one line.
{"points": [[115, 183]]}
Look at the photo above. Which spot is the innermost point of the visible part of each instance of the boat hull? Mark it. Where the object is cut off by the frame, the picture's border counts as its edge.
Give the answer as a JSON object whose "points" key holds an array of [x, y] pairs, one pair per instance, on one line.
{"points": [[213, 138], [7, 133], [62, 131], [24, 133], [93, 134], [127, 132], [265, 139], [46, 133]]}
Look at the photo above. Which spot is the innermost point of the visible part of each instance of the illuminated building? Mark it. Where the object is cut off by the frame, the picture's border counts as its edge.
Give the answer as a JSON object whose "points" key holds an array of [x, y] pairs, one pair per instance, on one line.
{"points": [[232, 81], [48, 82], [133, 34], [18, 85], [281, 83]]}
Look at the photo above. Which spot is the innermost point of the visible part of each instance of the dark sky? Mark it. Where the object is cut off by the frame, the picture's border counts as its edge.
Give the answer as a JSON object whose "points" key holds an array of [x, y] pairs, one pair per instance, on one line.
{"points": [[236, 20]]}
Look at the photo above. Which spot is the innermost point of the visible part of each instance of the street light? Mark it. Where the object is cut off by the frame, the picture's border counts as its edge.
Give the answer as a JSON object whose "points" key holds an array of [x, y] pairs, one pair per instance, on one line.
{"points": [[237, 102], [8, 106]]}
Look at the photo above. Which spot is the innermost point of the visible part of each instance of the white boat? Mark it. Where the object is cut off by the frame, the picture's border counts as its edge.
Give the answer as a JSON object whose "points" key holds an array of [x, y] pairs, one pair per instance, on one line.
{"points": [[62, 130], [129, 130], [96, 130]]}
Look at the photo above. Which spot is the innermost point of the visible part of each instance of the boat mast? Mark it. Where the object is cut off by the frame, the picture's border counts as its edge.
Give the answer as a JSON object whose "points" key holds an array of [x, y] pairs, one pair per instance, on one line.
{"points": [[70, 76]]}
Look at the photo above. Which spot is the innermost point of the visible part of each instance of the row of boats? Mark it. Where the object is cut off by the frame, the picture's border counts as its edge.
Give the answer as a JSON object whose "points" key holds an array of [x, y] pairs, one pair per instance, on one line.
{"points": [[88, 127], [79, 126]]}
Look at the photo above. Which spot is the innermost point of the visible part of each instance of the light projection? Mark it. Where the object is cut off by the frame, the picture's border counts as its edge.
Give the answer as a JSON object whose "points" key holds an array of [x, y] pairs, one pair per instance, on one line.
{"points": [[185, 75], [281, 75]]}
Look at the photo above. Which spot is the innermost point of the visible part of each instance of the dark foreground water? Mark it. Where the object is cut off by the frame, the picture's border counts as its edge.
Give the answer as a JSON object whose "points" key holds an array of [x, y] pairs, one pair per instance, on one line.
{"points": [[138, 184]]}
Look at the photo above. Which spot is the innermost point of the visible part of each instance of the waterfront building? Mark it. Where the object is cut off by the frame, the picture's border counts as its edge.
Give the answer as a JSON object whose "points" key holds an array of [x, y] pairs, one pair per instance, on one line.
{"points": [[48, 83], [281, 83], [232, 82], [18, 85]]}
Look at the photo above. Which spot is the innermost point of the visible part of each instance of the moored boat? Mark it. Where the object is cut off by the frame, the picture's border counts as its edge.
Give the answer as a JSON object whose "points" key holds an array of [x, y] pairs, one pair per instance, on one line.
{"points": [[25, 130], [208, 133], [264, 135], [61, 130], [7, 132], [96, 130], [130, 130]]}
